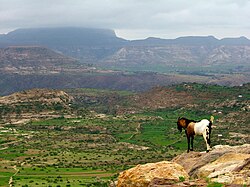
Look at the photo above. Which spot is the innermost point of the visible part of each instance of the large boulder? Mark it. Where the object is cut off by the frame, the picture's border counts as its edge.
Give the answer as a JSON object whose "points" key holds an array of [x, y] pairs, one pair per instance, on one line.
{"points": [[224, 164], [152, 174]]}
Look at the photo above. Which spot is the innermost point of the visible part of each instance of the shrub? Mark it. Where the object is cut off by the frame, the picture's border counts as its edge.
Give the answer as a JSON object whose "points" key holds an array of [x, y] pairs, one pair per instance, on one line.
{"points": [[181, 178]]}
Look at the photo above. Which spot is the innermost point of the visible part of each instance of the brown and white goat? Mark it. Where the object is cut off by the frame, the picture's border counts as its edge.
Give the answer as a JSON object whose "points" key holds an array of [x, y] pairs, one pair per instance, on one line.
{"points": [[192, 128]]}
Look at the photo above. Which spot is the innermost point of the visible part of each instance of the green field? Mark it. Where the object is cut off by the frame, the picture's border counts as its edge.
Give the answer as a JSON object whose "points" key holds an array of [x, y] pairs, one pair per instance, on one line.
{"points": [[82, 152], [91, 149]]}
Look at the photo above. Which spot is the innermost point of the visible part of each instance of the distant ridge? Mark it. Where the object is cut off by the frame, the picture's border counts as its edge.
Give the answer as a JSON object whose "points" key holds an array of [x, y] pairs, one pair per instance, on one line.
{"points": [[61, 36], [91, 36], [193, 40], [69, 57], [235, 41]]}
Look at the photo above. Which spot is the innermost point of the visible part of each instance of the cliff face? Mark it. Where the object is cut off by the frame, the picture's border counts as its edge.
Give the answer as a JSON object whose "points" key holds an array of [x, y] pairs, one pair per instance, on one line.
{"points": [[149, 174], [26, 60], [44, 96], [224, 164], [182, 58], [34, 104]]}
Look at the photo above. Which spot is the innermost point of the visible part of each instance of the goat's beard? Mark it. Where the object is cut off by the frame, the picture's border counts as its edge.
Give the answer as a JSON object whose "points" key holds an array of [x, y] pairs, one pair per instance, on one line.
{"points": [[179, 128]]}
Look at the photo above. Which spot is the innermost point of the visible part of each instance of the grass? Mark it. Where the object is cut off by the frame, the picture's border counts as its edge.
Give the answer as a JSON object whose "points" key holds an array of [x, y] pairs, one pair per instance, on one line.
{"points": [[80, 156], [60, 181], [11, 153], [4, 177], [46, 176], [92, 150], [215, 184]]}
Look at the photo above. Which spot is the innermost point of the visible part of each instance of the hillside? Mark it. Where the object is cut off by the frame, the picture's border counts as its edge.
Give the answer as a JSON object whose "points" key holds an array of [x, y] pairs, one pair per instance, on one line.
{"points": [[34, 104], [45, 96], [185, 59], [26, 60], [86, 137], [89, 77]]}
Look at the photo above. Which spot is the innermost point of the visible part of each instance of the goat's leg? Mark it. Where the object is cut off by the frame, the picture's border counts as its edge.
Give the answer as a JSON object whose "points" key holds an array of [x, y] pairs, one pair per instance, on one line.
{"points": [[188, 139], [192, 143], [208, 137], [205, 138]]}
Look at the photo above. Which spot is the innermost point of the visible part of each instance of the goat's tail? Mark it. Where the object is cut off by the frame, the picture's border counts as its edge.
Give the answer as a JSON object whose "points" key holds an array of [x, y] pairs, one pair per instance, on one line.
{"points": [[212, 119]]}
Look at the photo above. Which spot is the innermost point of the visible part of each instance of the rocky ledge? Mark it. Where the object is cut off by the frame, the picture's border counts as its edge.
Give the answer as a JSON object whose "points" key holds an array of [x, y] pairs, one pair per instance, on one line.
{"points": [[229, 165]]}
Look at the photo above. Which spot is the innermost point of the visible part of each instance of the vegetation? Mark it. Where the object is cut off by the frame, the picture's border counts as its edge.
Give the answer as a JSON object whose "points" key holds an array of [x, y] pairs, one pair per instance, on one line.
{"points": [[90, 148]]}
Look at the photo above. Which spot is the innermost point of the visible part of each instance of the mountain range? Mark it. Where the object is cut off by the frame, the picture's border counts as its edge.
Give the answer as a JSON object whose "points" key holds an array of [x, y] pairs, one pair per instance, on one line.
{"points": [[102, 37], [87, 57], [104, 49]]}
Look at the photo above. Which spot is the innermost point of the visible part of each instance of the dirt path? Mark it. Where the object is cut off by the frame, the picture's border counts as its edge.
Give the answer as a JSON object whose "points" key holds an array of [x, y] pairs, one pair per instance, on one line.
{"points": [[137, 131], [11, 178], [17, 170]]}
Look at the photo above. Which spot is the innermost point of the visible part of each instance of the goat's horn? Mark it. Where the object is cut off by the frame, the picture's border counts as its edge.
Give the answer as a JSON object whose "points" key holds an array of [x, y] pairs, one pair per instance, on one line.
{"points": [[212, 119]]}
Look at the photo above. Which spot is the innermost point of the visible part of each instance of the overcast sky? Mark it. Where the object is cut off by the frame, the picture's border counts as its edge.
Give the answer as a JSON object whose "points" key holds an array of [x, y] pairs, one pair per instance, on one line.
{"points": [[132, 19]]}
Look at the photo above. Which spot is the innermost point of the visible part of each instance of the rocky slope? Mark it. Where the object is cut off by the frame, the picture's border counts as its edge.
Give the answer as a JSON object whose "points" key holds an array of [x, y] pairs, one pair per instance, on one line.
{"points": [[228, 165], [27, 60], [224, 164], [182, 58], [34, 104], [45, 96], [148, 174]]}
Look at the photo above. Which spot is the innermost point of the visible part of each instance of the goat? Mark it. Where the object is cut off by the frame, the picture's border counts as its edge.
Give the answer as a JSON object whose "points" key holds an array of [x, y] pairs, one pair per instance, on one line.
{"points": [[192, 128]]}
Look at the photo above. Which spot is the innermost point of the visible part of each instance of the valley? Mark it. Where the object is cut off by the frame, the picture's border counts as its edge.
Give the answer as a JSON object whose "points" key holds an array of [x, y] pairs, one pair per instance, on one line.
{"points": [[62, 58], [79, 105], [85, 137]]}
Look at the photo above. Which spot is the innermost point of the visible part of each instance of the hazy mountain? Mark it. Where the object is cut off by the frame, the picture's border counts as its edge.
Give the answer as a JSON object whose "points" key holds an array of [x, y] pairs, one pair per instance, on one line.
{"points": [[187, 40], [61, 36], [235, 41], [193, 41], [24, 64], [75, 36], [86, 44], [96, 45], [182, 58]]}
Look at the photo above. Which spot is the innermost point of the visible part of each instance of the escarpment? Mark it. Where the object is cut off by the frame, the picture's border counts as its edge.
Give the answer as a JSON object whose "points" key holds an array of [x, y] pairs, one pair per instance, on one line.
{"points": [[228, 165]]}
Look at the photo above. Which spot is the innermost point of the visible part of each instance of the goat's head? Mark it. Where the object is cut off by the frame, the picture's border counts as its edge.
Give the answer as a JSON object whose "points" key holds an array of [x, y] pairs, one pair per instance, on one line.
{"points": [[179, 124]]}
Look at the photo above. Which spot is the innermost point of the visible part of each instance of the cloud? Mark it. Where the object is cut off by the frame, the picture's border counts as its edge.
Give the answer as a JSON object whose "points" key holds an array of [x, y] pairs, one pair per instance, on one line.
{"points": [[132, 18]]}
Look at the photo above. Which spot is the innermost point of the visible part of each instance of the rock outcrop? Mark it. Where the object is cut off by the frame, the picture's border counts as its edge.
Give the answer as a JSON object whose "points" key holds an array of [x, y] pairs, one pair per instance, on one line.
{"points": [[153, 173], [229, 165], [43, 96], [34, 104], [224, 164]]}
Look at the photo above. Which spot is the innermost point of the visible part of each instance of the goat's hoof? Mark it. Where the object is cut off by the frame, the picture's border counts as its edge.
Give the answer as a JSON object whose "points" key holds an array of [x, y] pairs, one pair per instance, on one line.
{"points": [[207, 151], [191, 150]]}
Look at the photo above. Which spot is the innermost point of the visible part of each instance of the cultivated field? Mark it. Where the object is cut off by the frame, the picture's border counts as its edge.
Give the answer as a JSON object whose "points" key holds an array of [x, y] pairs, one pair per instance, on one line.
{"points": [[84, 147]]}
